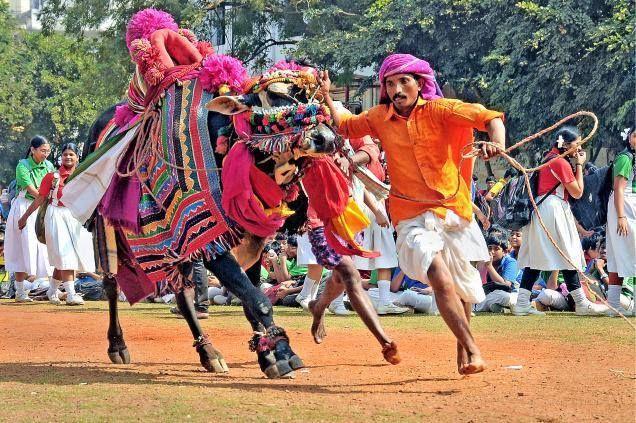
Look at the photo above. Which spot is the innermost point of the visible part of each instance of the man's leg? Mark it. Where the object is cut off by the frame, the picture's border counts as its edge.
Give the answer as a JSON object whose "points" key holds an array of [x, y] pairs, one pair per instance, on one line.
{"points": [[200, 279], [454, 314], [349, 278]]}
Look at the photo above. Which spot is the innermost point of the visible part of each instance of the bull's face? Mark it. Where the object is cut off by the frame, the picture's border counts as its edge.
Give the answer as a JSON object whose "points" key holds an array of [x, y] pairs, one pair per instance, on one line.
{"points": [[285, 128]]}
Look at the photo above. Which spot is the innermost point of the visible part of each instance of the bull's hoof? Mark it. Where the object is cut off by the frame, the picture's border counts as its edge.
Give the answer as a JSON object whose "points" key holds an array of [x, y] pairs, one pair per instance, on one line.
{"points": [[296, 362], [119, 357], [210, 358], [280, 370]]}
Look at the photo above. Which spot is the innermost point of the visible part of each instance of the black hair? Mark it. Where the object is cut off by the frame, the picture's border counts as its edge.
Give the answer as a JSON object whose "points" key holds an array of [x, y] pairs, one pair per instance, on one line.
{"points": [[498, 238], [626, 144], [491, 178], [569, 134], [70, 146], [511, 173], [589, 243], [291, 240], [36, 142]]}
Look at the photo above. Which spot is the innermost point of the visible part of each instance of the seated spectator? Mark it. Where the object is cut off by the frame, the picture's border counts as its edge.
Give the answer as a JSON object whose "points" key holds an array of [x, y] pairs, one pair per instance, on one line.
{"points": [[501, 275], [90, 286], [496, 189], [287, 277], [490, 182]]}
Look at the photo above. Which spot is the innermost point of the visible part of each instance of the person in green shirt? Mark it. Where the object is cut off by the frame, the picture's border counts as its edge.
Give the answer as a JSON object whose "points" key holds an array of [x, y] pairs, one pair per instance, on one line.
{"points": [[24, 255], [621, 223]]}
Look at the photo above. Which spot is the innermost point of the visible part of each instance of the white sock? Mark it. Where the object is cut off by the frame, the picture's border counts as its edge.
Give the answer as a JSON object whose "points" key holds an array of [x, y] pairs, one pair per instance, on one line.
{"points": [[579, 297], [308, 287], [69, 287], [19, 289], [52, 291], [523, 298], [384, 292], [614, 295], [338, 302]]}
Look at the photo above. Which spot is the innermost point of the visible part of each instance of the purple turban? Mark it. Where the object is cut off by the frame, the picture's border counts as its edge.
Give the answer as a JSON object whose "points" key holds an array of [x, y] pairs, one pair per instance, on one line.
{"points": [[406, 63]]}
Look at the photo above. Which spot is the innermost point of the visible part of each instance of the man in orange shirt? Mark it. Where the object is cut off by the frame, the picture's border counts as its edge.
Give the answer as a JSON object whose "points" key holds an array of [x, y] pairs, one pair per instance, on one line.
{"points": [[423, 136]]}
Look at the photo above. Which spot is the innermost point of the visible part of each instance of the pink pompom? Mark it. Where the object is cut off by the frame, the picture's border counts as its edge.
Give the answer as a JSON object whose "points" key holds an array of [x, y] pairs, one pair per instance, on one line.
{"points": [[219, 69], [285, 65], [145, 22]]}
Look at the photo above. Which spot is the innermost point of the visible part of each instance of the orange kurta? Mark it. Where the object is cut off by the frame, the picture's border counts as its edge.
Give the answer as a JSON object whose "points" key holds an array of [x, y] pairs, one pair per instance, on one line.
{"points": [[423, 153]]}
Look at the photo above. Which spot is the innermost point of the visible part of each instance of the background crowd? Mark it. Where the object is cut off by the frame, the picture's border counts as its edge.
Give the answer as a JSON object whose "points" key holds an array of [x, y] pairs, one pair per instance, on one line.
{"points": [[526, 274]]}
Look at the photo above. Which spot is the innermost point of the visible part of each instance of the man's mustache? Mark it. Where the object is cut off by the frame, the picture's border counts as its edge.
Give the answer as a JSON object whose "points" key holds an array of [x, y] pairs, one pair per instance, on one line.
{"points": [[395, 97]]}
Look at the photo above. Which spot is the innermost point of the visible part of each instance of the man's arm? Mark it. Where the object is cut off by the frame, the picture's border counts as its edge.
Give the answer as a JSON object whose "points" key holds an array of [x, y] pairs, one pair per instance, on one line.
{"points": [[497, 135]]}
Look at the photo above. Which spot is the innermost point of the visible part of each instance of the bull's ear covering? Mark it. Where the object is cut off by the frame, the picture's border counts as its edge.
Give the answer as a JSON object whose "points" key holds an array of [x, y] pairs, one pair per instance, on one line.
{"points": [[227, 105]]}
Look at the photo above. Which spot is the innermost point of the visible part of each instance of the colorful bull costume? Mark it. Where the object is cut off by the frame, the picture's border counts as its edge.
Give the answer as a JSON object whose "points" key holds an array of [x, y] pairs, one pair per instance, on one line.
{"points": [[155, 196]]}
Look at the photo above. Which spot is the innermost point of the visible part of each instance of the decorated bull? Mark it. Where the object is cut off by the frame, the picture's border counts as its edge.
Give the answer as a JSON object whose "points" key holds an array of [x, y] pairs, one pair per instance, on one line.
{"points": [[183, 171]]}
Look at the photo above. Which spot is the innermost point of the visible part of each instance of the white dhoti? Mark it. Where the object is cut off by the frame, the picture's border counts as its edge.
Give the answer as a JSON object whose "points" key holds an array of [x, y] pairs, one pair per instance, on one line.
{"points": [[538, 252], [621, 250], [69, 244], [460, 243], [22, 251]]}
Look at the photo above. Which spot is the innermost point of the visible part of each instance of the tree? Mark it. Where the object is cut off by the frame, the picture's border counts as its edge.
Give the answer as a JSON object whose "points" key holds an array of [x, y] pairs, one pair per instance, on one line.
{"points": [[52, 85], [536, 60]]}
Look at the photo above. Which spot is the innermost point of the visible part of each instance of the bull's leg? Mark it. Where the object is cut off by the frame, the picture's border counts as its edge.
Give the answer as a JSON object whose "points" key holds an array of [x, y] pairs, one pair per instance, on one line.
{"points": [[211, 358], [117, 350], [275, 356]]}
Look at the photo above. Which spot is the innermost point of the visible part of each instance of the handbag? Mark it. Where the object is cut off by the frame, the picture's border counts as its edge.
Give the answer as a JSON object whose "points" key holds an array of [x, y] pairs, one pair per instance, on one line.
{"points": [[40, 231]]}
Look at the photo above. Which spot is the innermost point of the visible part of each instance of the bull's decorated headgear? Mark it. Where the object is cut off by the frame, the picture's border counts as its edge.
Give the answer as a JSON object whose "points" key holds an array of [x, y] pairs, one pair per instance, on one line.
{"points": [[303, 77], [406, 63]]}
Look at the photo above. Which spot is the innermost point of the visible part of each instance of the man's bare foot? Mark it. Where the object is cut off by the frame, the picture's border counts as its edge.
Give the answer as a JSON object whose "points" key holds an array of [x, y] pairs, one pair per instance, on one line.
{"points": [[317, 326], [462, 358], [390, 353], [475, 365]]}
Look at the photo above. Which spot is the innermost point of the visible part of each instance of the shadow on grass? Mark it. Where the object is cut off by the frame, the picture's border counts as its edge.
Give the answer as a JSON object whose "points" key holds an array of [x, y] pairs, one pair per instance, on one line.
{"points": [[179, 375]]}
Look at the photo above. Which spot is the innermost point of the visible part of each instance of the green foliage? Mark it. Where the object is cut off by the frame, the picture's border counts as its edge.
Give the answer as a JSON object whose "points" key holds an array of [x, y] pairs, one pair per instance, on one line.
{"points": [[52, 85]]}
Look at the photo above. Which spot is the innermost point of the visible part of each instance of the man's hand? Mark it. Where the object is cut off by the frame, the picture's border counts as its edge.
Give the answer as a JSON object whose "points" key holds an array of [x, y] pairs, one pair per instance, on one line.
{"points": [[381, 219], [343, 163], [488, 151], [281, 293], [325, 83], [485, 223], [22, 223]]}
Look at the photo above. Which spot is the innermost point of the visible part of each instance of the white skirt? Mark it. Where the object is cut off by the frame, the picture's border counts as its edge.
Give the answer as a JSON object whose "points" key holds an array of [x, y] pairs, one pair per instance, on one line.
{"points": [[304, 255], [460, 243], [69, 244], [23, 252], [538, 252], [379, 239], [621, 250]]}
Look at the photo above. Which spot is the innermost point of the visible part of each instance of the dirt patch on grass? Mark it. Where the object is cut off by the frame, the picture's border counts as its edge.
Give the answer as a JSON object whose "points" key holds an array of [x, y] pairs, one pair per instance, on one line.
{"points": [[54, 361]]}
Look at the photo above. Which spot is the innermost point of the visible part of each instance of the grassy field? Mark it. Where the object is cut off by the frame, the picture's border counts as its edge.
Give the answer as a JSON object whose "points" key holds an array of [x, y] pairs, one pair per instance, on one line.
{"points": [[54, 368]]}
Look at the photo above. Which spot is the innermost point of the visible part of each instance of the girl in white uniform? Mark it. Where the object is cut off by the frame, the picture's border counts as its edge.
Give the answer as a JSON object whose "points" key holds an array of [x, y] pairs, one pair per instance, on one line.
{"points": [[24, 255], [69, 244], [558, 181], [621, 223]]}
